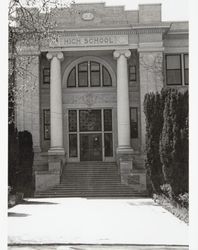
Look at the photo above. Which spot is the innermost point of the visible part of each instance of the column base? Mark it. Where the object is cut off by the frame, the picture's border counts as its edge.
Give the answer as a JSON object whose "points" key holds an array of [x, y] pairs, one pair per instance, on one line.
{"points": [[124, 151], [51, 177], [56, 151], [125, 163], [56, 159]]}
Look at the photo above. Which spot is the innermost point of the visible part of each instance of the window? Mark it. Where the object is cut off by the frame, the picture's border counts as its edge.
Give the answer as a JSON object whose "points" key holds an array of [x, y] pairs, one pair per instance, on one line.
{"points": [[108, 142], [72, 120], [134, 123], [90, 74], [46, 121], [73, 144], [186, 69], [73, 151], [173, 70], [46, 76], [90, 120], [176, 69], [132, 73], [107, 120], [108, 138]]}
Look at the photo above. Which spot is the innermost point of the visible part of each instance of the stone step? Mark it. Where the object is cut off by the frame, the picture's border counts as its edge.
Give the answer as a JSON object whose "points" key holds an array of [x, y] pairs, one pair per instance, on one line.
{"points": [[98, 179], [85, 195]]}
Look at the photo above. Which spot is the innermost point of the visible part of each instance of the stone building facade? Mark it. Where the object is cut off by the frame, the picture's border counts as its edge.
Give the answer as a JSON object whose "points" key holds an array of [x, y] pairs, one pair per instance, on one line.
{"points": [[88, 84]]}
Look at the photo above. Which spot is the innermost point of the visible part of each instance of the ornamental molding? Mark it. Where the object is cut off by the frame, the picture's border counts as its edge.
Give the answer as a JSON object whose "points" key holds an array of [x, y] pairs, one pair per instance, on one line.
{"points": [[90, 99], [87, 16]]}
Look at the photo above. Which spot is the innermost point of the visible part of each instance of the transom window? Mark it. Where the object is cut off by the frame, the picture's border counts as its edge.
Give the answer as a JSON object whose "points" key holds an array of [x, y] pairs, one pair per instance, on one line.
{"points": [[89, 74]]}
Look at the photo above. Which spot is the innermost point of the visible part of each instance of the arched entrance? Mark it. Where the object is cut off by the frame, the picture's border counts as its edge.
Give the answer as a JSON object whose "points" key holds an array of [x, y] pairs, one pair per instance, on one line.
{"points": [[90, 121]]}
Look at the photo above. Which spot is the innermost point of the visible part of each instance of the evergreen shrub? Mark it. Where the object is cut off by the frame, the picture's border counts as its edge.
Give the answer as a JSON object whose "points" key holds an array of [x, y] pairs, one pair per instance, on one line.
{"points": [[153, 109], [167, 141], [20, 161]]}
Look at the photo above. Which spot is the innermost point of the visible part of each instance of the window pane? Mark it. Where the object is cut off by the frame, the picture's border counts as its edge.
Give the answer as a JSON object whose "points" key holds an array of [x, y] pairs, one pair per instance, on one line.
{"points": [[47, 132], [83, 79], [134, 123], [132, 69], [71, 81], [73, 145], [46, 116], [108, 144], [90, 120], [95, 74], [132, 73], [46, 71], [106, 77], [173, 77], [83, 74], [173, 62], [186, 77], [107, 120], [72, 120], [186, 61], [95, 66], [46, 79], [83, 66], [95, 79]]}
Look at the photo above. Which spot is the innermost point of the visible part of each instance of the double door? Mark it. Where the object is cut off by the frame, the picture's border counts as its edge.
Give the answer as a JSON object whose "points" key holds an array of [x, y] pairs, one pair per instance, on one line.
{"points": [[90, 134]]}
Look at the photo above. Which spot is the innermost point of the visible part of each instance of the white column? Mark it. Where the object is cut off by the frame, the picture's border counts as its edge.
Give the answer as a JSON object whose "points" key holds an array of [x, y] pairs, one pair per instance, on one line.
{"points": [[123, 115], [56, 113]]}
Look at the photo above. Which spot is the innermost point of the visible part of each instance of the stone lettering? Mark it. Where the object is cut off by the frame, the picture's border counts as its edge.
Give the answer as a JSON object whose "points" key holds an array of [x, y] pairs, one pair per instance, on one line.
{"points": [[99, 40]]}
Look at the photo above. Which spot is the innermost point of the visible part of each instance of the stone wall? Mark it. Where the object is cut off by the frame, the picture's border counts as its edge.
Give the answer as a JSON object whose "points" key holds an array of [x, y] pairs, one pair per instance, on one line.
{"points": [[28, 97]]}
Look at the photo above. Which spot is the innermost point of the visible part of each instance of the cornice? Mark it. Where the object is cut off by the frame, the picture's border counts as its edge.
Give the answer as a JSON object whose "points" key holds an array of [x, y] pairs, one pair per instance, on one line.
{"points": [[132, 29]]}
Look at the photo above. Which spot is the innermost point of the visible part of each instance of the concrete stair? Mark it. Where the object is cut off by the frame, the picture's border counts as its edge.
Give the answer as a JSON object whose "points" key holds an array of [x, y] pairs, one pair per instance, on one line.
{"points": [[90, 179]]}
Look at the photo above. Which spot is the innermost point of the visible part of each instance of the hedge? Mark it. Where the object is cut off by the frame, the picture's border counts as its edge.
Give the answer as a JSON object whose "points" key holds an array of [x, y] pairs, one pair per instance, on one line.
{"points": [[167, 140], [20, 161]]}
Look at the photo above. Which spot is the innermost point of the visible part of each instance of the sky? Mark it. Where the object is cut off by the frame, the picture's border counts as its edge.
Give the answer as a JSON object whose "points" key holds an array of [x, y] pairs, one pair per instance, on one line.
{"points": [[172, 10]]}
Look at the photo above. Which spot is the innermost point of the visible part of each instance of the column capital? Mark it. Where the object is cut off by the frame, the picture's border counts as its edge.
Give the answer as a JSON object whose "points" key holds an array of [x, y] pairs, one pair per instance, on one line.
{"points": [[59, 55], [124, 52]]}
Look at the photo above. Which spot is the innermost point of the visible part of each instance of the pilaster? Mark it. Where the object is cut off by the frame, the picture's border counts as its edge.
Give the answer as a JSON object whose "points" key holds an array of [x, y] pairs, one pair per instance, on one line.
{"points": [[151, 78]]}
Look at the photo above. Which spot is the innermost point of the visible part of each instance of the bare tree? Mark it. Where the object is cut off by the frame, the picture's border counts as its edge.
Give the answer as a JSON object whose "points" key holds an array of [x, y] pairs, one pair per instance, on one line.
{"points": [[30, 23]]}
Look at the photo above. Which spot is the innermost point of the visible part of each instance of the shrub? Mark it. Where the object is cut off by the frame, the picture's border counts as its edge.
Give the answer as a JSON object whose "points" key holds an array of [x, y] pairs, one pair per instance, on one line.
{"points": [[167, 190], [26, 162], [153, 109], [13, 156], [20, 161], [167, 140], [174, 141], [184, 200]]}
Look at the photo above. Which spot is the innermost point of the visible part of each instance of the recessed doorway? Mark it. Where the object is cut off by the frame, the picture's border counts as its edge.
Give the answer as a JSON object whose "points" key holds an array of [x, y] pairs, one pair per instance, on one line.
{"points": [[90, 134]]}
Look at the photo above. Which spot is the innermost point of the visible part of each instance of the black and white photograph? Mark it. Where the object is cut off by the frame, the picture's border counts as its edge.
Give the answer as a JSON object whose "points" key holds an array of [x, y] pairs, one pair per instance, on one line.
{"points": [[96, 125]]}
